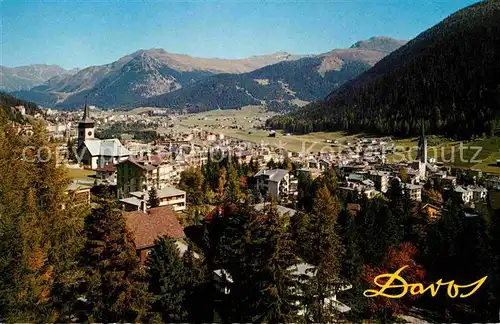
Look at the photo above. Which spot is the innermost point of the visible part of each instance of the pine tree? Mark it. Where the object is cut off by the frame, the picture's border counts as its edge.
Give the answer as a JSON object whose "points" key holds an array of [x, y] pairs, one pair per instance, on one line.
{"points": [[329, 179], [378, 230], [326, 283], [168, 278], [153, 200], [114, 285], [305, 189], [232, 187], [38, 238], [351, 267]]}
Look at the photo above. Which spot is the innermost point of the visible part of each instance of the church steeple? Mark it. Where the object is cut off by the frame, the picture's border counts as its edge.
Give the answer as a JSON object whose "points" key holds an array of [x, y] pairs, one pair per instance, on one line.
{"points": [[422, 153], [422, 145], [86, 112], [85, 126]]}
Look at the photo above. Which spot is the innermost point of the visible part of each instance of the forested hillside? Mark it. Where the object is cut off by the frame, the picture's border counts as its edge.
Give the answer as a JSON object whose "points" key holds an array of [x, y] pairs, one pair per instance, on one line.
{"points": [[448, 76], [7, 101], [277, 85]]}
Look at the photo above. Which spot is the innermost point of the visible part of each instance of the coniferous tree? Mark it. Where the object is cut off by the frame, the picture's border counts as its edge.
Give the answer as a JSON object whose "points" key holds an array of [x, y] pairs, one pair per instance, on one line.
{"points": [[114, 285], [153, 200], [305, 197], [401, 207], [192, 182], [40, 229], [377, 229], [327, 282], [351, 266], [232, 191], [168, 281]]}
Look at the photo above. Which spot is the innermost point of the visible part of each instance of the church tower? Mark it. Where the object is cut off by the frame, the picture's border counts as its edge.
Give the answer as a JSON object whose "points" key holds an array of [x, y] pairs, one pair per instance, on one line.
{"points": [[85, 127], [422, 154]]}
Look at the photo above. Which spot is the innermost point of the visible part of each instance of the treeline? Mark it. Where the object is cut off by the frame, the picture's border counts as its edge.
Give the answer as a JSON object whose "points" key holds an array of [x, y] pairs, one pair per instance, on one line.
{"points": [[136, 129], [447, 76]]}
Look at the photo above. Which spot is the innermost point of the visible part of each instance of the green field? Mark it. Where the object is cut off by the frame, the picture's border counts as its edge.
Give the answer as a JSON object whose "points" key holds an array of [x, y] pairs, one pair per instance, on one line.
{"points": [[221, 121], [80, 174], [246, 122], [478, 154]]}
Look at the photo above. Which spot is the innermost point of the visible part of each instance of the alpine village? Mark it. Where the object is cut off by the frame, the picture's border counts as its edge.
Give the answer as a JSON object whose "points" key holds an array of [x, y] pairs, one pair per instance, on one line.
{"points": [[361, 185]]}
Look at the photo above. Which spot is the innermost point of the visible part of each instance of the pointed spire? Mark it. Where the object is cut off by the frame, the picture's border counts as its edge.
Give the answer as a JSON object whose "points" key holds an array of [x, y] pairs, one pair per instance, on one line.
{"points": [[86, 111]]}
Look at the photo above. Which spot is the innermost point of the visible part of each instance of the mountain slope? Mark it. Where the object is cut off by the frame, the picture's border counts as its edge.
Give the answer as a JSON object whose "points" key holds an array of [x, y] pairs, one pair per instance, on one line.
{"points": [[8, 101], [137, 76], [279, 85], [447, 76], [26, 77], [381, 44]]}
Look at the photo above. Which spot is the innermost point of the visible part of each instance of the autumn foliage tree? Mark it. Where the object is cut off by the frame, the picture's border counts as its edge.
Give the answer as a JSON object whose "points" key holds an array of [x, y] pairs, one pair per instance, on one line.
{"points": [[403, 256], [39, 239]]}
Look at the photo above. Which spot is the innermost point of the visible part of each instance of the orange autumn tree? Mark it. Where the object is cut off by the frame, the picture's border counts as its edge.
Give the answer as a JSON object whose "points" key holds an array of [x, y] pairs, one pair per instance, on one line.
{"points": [[396, 259]]}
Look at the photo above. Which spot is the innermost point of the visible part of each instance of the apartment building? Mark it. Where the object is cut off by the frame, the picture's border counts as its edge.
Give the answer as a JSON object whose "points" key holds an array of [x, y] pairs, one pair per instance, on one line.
{"points": [[274, 183], [143, 173], [168, 196]]}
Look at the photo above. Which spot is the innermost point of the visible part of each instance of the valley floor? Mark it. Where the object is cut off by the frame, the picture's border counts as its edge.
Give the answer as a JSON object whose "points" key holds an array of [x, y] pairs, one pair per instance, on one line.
{"points": [[245, 124]]}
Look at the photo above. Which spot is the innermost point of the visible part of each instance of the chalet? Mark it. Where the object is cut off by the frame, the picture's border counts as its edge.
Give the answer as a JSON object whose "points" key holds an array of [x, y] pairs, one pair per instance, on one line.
{"points": [[147, 225], [106, 173], [429, 211]]}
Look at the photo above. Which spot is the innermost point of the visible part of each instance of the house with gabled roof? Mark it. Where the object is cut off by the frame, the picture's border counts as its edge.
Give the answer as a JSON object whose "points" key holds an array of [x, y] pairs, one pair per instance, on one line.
{"points": [[147, 225]]}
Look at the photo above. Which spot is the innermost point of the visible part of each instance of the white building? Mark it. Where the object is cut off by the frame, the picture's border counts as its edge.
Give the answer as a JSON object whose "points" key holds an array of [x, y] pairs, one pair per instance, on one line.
{"points": [[305, 272], [94, 152], [415, 191], [98, 153], [168, 196], [274, 183]]}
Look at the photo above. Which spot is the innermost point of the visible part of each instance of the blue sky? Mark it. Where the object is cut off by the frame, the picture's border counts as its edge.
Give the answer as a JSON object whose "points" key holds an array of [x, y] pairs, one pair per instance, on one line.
{"points": [[81, 33]]}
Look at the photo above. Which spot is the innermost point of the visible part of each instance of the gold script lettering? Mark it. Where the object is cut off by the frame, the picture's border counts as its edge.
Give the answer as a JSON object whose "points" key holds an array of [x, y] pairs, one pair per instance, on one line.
{"points": [[417, 288], [387, 284]]}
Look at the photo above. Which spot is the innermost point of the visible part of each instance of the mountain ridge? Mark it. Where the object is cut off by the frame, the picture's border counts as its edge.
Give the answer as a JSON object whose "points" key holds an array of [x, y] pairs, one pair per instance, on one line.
{"points": [[155, 72], [447, 78]]}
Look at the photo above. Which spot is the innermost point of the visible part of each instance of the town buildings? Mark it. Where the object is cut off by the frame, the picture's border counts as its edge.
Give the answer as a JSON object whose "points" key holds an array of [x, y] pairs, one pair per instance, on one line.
{"points": [[145, 172], [94, 152], [147, 225], [273, 183], [168, 196]]}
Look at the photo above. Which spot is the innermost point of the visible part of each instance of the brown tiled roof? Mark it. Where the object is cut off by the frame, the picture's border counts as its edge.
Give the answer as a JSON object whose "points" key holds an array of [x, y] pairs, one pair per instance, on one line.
{"points": [[110, 167], [146, 163], [155, 223]]}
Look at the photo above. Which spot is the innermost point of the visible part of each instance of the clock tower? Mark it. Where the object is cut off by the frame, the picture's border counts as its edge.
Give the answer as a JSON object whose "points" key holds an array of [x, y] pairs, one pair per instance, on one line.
{"points": [[85, 127]]}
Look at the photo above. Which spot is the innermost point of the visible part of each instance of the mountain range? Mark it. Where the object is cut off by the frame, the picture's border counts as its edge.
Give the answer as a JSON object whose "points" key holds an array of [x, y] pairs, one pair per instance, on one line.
{"points": [[29, 76], [158, 78], [447, 80]]}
